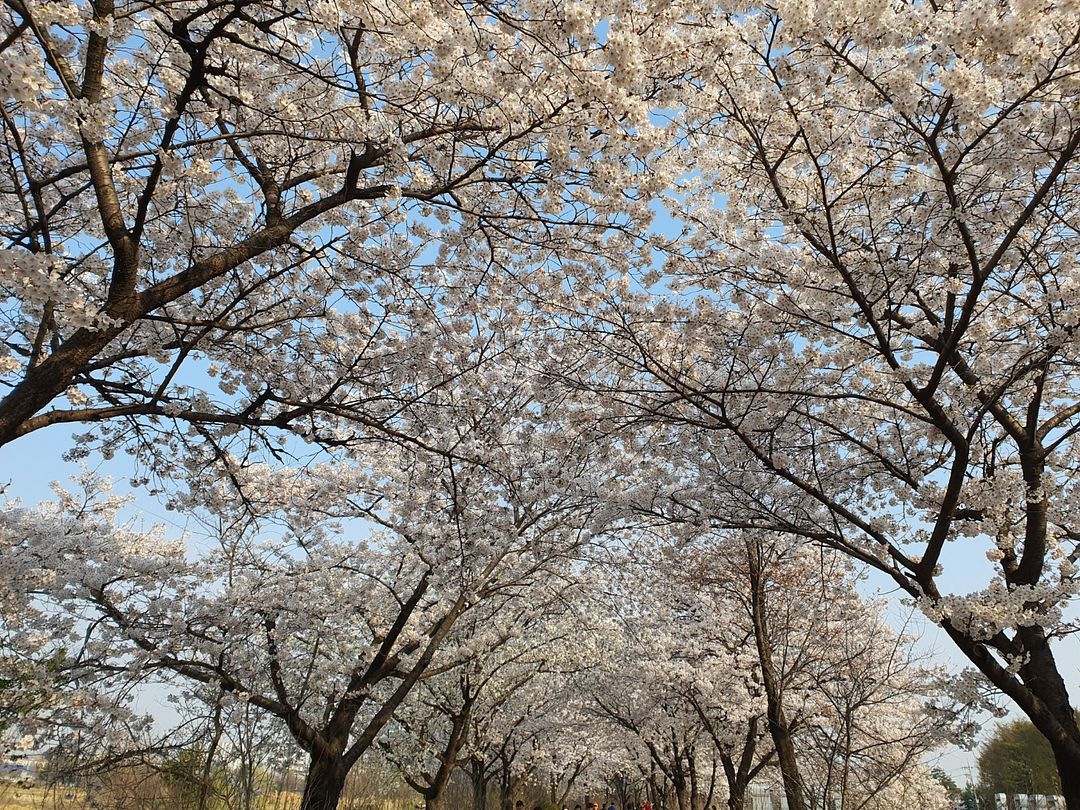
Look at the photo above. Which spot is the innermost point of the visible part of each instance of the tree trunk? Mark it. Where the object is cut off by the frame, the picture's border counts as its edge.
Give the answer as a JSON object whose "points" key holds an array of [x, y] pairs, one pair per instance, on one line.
{"points": [[208, 766], [434, 795], [1040, 693], [736, 796], [506, 785], [1040, 674], [779, 728], [736, 785], [1069, 772], [325, 783], [785, 755], [682, 791], [656, 793], [479, 785]]}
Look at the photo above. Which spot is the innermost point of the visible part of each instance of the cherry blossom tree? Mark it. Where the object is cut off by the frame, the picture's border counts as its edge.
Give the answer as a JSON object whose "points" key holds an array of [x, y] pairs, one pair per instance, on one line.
{"points": [[329, 610], [315, 257], [866, 335], [539, 737], [509, 654], [849, 702], [882, 716], [751, 642], [237, 217], [640, 691]]}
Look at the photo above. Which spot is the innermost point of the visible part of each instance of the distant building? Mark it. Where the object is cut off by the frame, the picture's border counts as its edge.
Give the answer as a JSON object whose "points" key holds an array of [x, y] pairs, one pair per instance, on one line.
{"points": [[768, 797], [1027, 801], [22, 766]]}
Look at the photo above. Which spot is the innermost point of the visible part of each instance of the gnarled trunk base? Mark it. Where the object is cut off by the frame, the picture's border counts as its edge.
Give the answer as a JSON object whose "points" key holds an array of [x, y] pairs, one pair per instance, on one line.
{"points": [[324, 785]]}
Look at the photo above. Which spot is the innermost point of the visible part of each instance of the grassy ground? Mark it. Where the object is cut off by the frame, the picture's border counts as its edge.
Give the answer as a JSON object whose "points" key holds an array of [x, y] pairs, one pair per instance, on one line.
{"points": [[14, 797]]}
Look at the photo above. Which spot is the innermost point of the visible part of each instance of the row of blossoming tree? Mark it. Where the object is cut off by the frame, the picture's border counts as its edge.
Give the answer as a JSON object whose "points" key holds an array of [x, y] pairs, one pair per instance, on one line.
{"points": [[424, 313]]}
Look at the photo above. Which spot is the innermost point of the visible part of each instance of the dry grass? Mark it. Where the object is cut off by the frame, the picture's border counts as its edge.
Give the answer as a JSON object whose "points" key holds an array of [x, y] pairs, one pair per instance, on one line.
{"points": [[17, 797], [281, 800]]}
